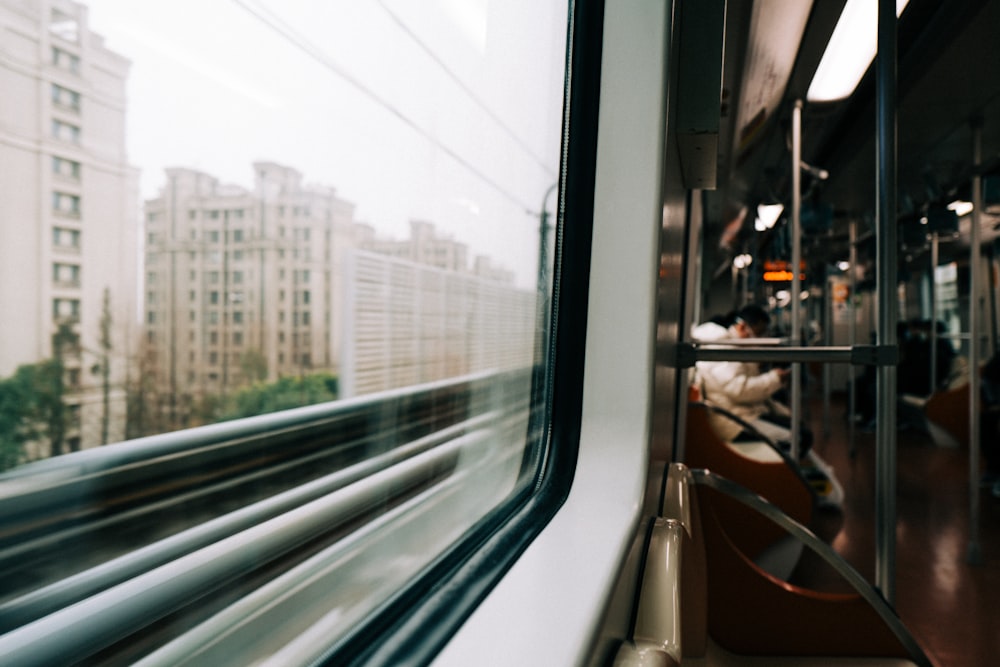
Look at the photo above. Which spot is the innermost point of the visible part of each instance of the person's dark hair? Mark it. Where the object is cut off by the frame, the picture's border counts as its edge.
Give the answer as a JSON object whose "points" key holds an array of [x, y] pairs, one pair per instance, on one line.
{"points": [[727, 320], [754, 315]]}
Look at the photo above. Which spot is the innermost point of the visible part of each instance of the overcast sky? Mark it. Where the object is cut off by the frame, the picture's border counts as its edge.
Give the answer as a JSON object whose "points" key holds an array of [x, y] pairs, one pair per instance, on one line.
{"points": [[440, 110]]}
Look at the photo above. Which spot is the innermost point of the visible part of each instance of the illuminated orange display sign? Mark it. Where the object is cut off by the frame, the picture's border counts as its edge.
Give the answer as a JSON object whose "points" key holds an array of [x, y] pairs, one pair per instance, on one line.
{"points": [[776, 271]]}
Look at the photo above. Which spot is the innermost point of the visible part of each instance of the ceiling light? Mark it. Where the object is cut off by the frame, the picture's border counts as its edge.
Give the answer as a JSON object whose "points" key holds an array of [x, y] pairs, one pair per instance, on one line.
{"points": [[960, 207], [843, 265], [850, 51], [767, 215]]}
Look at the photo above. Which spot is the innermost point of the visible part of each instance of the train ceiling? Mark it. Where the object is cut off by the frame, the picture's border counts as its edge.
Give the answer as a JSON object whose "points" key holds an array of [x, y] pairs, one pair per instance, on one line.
{"points": [[948, 78]]}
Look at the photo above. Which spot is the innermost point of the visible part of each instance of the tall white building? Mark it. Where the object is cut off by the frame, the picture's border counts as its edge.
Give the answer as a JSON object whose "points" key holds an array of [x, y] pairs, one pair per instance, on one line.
{"points": [[427, 247], [68, 209], [240, 285]]}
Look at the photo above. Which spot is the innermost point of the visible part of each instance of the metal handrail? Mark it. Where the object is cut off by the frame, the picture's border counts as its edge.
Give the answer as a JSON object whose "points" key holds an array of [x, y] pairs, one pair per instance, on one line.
{"points": [[100, 620], [31, 606], [690, 353]]}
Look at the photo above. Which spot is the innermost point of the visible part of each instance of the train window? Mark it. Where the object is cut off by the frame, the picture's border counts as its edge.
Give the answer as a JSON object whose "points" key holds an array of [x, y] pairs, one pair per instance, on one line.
{"points": [[293, 365]]}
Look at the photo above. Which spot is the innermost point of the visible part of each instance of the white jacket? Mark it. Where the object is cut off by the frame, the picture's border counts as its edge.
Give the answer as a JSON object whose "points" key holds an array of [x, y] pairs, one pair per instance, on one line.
{"points": [[737, 386]]}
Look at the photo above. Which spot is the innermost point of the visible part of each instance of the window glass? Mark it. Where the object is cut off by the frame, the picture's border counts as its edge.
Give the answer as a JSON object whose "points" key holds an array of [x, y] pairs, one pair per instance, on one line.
{"points": [[65, 131], [328, 211]]}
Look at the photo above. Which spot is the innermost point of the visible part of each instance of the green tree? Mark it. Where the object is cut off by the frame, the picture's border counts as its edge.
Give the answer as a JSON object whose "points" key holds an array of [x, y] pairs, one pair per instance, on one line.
{"points": [[253, 365], [105, 365], [31, 408], [286, 393]]}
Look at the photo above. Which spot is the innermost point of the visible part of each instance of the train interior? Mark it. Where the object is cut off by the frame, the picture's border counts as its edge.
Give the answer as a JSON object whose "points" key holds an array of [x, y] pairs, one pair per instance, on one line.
{"points": [[946, 152]]}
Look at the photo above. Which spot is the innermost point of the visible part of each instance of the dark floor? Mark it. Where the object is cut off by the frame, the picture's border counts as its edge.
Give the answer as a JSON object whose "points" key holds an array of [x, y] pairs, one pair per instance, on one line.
{"points": [[951, 606]]}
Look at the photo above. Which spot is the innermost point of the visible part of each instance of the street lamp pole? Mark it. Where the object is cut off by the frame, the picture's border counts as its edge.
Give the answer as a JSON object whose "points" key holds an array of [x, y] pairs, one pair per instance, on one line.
{"points": [[542, 310]]}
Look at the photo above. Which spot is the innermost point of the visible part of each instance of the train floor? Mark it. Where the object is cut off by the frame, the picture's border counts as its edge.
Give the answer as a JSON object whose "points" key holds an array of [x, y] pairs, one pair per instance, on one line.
{"points": [[950, 605]]}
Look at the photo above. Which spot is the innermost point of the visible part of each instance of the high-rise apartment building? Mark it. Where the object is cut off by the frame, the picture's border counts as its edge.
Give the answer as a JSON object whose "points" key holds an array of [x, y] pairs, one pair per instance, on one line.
{"points": [[240, 285], [426, 246], [68, 213]]}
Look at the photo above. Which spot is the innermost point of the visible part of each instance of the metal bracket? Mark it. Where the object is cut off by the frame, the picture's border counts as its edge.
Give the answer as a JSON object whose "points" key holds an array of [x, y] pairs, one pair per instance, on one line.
{"points": [[683, 355], [874, 355]]}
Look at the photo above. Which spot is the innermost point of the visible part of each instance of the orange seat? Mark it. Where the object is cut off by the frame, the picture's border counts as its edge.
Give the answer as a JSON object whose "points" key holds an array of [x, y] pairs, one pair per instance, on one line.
{"points": [[777, 481], [949, 409], [750, 612]]}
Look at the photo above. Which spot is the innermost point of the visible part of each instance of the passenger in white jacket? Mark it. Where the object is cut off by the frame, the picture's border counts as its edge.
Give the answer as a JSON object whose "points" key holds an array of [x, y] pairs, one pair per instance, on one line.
{"points": [[739, 386]]}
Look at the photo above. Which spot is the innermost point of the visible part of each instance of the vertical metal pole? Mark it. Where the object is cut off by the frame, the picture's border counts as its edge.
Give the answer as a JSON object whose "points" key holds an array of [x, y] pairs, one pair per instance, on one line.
{"points": [[542, 314], [734, 274], [852, 333], [796, 281], [934, 335], [974, 554], [827, 340], [885, 485]]}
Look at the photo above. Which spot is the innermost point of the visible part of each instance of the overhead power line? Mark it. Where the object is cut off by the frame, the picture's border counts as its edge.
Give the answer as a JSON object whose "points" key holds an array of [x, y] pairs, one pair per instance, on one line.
{"points": [[465, 88], [280, 26]]}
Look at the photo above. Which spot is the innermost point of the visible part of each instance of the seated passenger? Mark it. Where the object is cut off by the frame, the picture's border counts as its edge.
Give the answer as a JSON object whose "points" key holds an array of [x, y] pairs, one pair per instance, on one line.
{"points": [[739, 386], [743, 390]]}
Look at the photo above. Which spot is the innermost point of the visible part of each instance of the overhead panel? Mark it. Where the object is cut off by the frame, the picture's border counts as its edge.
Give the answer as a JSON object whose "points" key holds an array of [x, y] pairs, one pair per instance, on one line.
{"points": [[699, 91], [776, 29]]}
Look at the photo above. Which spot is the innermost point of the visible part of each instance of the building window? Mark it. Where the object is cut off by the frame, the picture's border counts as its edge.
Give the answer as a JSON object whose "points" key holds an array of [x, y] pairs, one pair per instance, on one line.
{"points": [[213, 236], [64, 98], [66, 274], [66, 309], [237, 338], [213, 337], [213, 358], [213, 297], [237, 277], [66, 238], [213, 277], [192, 295], [65, 132], [151, 317], [66, 168], [66, 204], [65, 60], [64, 26]]}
